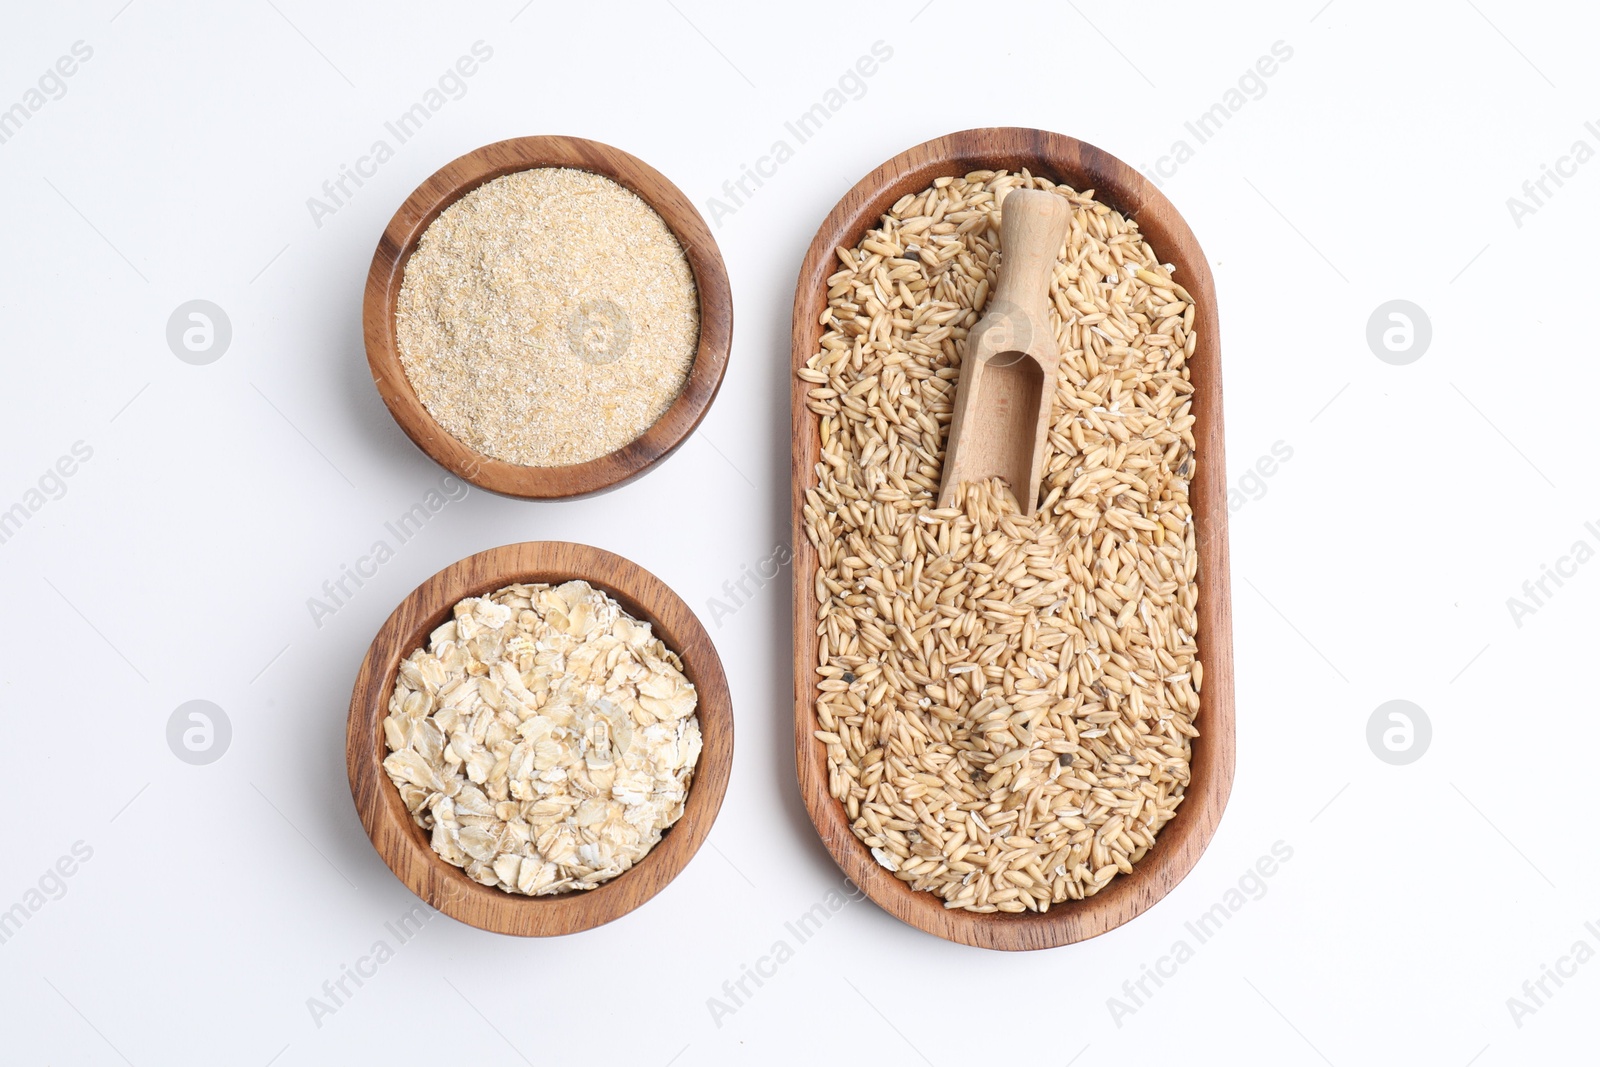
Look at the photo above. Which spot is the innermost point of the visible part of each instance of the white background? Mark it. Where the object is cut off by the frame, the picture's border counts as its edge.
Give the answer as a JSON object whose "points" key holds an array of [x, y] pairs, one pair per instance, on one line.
{"points": [[1375, 565]]}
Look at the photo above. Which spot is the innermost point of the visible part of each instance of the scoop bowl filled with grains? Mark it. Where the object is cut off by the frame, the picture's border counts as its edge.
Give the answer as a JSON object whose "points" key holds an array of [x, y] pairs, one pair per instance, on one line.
{"points": [[1013, 723], [547, 317], [539, 738]]}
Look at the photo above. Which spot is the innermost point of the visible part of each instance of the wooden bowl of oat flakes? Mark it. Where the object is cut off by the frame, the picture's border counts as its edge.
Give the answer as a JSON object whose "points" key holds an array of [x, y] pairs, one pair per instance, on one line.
{"points": [[539, 738], [547, 317], [1011, 731]]}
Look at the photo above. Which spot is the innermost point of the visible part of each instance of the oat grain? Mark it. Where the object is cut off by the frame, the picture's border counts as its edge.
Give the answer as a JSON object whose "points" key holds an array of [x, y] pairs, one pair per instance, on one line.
{"points": [[1006, 703]]}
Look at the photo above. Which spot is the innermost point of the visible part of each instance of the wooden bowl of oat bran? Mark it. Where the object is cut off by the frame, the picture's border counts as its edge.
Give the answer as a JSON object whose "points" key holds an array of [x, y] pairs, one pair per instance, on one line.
{"points": [[406, 847], [555, 432], [910, 695]]}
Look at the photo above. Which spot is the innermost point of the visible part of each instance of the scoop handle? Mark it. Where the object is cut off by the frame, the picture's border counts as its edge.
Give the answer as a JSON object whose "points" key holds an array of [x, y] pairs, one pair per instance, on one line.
{"points": [[1033, 224]]}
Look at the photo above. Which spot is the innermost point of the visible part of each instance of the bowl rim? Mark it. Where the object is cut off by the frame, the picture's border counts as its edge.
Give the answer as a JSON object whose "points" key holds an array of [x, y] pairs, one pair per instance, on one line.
{"points": [[1182, 841], [404, 846], [461, 176]]}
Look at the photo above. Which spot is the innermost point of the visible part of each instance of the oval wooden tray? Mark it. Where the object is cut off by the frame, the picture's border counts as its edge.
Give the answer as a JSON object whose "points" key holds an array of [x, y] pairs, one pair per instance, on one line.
{"points": [[1178, 847], [404, 845], [455, 180]]}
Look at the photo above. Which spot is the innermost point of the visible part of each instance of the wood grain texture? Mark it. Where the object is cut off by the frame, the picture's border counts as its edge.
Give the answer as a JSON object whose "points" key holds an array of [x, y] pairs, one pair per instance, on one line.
{"points": [[404, 845], [1181, 841], [454, 181], [1002, 411]]}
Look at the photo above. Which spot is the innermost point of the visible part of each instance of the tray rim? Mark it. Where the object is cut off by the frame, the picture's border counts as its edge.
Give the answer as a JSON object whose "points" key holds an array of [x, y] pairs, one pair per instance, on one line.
{"points": [[1182, 841]]}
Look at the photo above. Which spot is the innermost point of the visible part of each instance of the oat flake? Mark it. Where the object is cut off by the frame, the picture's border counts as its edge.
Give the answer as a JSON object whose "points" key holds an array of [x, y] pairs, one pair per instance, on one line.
{"points": [[545, 738]]}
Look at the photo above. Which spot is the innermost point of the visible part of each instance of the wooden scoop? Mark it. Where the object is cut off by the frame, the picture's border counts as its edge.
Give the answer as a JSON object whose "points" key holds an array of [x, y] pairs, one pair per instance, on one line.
{"points": [[1002, 412]]}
